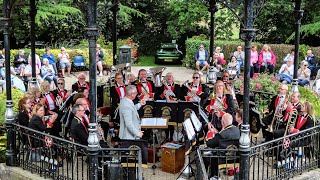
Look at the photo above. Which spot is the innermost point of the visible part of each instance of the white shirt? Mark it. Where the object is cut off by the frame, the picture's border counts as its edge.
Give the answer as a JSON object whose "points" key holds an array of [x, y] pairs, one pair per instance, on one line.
{"points": [[202, 55], [288, 72], [301, 75], [63, 57], [122, 93], [50, 101]]}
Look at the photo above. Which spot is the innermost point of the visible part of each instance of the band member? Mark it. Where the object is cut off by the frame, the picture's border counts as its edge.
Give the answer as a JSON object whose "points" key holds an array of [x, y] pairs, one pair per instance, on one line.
{"points": [[229, 85], [130, 128], [163, 92], [220, 103], [195, 89], [81, 83], [61, 94], [228, 132], [239, 117], [305, 118], [50, 100], [79, 131], [117, 92], [146, 89], [276, 107]]}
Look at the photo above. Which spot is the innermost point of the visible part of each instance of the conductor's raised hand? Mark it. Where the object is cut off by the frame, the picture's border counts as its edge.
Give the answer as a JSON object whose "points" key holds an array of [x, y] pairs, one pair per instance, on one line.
{"points": [[143, 102]]}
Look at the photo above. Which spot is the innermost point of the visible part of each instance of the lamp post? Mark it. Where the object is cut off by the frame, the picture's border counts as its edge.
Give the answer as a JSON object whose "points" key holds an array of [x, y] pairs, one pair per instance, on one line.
{"points": [[298, 14], [9, 115], [114, 9], [93, 141], [213, 9], [32, 14]]}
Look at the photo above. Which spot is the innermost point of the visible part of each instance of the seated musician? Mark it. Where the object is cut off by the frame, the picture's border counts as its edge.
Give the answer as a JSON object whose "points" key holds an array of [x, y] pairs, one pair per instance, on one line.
{"points": [[81, 83], [239, 117], [229, 85], [290, 115], [170, 95], [61, 91], [305, 118], [228, 132], [79, 130], [131, 79], [221, 102], [275, 109], [117, 92], [195, 90], [146, 89]]}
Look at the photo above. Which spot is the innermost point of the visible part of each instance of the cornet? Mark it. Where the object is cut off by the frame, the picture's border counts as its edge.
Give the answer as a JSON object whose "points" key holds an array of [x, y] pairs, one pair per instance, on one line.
{"points": [[194, 96]]}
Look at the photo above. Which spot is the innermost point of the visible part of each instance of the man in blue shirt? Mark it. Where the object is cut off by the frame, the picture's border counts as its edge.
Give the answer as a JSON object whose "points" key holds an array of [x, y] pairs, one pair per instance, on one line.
{"points": [[201, 57], [51, 59]]}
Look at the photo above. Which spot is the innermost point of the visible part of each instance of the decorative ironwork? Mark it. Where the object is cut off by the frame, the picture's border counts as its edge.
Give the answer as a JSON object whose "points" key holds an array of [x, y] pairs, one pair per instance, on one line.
{"points": [[68, 160], [268, 160]]}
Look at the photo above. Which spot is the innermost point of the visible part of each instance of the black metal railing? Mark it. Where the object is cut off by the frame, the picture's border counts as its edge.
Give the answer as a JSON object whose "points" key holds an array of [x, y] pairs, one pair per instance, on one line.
{"points": [[286, 157], [282, 158], [57, 158]]}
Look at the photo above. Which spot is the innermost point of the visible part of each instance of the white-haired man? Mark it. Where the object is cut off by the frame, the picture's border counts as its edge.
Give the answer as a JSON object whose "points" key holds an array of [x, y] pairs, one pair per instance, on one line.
{"points": [[81, 83]]}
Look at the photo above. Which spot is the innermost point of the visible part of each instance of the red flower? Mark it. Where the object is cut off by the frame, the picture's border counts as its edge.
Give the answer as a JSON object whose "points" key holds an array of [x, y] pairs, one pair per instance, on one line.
{"points": [[258, 86], [255, 75]]}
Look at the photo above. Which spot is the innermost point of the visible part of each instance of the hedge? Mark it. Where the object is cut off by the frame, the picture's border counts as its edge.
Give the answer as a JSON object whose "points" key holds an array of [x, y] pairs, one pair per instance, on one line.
{"points": [[228, 47]]}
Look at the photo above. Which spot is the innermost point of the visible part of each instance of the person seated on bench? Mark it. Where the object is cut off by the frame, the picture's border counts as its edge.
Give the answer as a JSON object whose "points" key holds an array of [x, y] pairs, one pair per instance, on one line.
{"points": [[304, 74], [286, 72], [20, 62], [228, 132], [201, 57]]}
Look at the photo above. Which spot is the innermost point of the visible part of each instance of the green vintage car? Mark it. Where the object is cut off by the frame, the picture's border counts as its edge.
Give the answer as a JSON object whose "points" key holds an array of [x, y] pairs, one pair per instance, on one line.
{"points": [[168, 53]]}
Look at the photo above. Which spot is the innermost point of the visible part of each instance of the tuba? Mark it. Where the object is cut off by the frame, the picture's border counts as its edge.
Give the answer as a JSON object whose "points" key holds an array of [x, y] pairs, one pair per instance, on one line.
{"points": [[194, 96], [157, 73]]}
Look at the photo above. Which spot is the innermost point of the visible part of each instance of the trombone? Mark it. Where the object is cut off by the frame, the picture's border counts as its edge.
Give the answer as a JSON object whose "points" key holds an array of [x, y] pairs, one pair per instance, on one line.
{"points": [[277, 117]]}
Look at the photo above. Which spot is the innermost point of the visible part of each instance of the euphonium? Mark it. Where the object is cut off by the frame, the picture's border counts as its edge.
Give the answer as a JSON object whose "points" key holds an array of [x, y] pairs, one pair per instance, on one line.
{"points": [[169, 92], [194, 96]]}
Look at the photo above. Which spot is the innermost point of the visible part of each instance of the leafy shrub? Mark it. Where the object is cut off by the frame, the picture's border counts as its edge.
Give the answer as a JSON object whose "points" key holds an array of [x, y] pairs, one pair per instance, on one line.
{"points": [[228, 47], [16, 95]]}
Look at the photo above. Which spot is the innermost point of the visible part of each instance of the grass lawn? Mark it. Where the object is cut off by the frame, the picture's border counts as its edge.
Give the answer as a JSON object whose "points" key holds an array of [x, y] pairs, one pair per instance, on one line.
{"points": [[149, 61]]}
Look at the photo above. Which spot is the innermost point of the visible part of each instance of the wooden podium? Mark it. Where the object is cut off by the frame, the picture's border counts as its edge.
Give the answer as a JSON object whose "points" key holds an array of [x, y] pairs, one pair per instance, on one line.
{"points": [[172, 159]]}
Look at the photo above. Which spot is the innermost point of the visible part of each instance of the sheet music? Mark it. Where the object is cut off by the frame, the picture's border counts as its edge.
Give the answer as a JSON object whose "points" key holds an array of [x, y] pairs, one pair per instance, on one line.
{"points": [[189, 129], [154, 122], [196, 122]]}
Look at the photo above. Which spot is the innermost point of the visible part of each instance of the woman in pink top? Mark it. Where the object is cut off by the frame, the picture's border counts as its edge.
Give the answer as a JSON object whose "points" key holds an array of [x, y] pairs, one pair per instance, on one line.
{"points": [[267, 59], [254, 61]]}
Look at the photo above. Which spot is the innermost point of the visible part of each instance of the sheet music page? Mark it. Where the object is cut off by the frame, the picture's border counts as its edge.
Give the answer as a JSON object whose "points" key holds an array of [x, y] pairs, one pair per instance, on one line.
{"points": [[161, 122], [189, 129], [196, 122], [148, 122]]}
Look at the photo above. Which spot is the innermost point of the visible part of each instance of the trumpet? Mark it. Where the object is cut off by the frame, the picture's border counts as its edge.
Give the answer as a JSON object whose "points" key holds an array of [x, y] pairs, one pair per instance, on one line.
{"points": [[194, 96], [169, 92], [293, 115]]}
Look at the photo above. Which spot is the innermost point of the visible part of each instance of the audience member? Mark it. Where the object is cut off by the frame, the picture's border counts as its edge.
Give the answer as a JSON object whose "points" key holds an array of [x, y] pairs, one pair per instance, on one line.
{"points": [[64, 61], [47, 72], [201, 57], [267, 59], [311, 59], [304, 74], [254, 65], [286, 72], [99, 59], [220, 56], [316, 84], [239, 54], [218, 51], [38, 61], [233, 63], [52, 61], [20, 62], [290, 55]]}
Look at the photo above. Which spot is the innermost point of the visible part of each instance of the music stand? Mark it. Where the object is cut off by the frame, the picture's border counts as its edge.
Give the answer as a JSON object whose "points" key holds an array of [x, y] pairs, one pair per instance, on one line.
{"points": [[154, 124]]}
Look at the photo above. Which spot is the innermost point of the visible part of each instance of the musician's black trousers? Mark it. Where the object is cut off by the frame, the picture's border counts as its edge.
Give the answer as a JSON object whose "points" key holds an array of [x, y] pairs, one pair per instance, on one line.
{"points": [[213, 164]]}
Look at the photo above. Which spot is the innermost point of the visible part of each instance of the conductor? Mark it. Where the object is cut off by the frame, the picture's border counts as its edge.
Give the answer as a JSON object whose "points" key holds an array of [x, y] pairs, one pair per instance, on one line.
{"points": [[130, 128]]}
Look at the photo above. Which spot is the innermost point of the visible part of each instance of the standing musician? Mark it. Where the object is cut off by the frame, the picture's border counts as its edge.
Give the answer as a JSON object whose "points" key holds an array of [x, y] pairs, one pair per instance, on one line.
{"points": [[221, 102], [146, 89], [164, 93], [195, 89], [117, 92], [81, 83], [276, 108]]}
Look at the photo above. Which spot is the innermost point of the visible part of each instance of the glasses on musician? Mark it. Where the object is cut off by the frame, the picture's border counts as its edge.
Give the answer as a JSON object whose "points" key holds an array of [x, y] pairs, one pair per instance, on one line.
{"points": [[195, 77], [82, 78], [225, 76], [60, 83]]}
